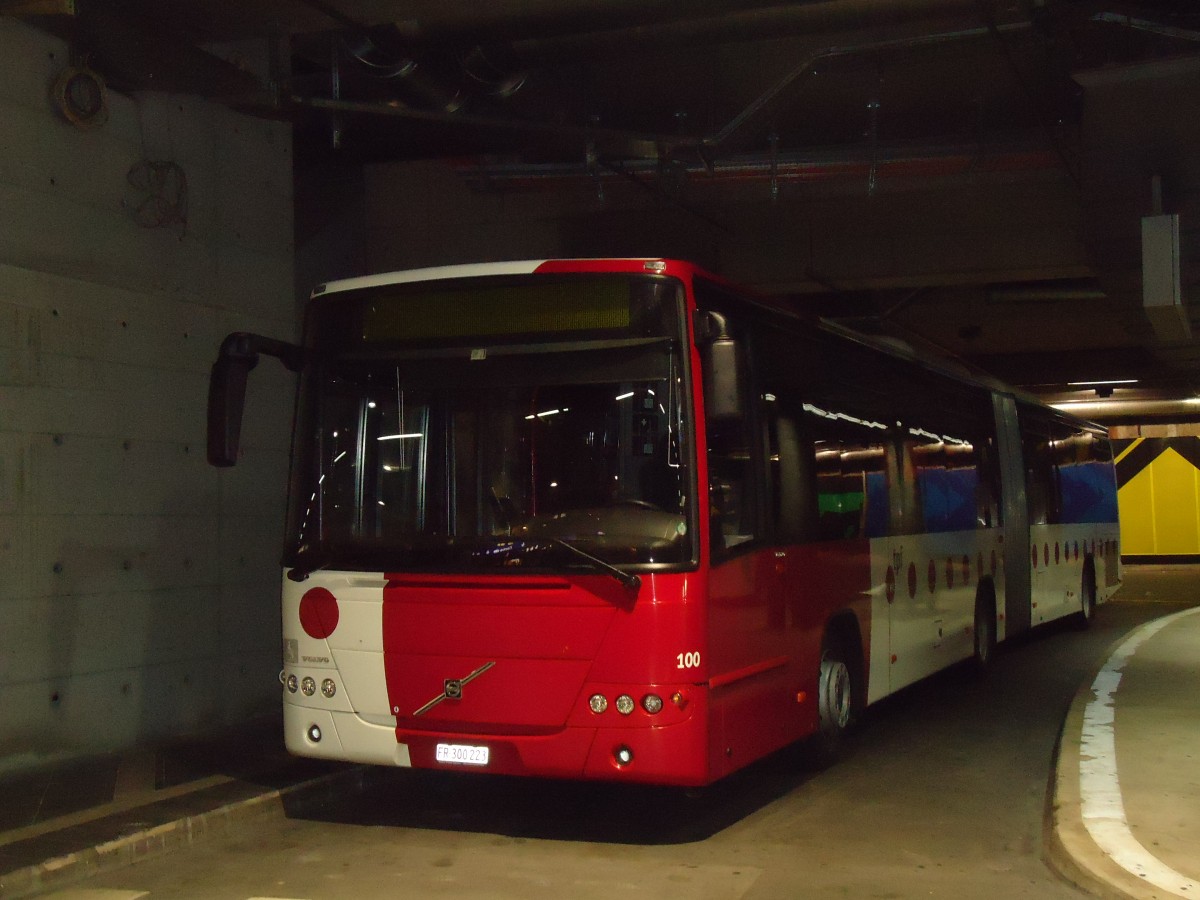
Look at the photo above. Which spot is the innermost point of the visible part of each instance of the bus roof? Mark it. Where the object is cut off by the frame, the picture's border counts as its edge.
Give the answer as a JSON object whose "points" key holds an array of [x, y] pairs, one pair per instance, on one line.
{"points": [[654, 265]]}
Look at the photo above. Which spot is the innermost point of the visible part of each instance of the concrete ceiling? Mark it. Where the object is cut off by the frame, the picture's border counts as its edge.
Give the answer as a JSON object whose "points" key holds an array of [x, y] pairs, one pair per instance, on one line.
{"points": [[970, 175]]}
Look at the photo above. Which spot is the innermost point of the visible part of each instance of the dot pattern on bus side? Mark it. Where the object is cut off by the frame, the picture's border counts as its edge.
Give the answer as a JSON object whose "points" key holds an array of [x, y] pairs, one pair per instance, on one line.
{"points": [[318, 613]]}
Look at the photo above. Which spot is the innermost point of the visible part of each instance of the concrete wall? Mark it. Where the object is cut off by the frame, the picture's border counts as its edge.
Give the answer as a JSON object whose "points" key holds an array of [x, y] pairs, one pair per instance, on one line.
{"points": [[138, 586]]}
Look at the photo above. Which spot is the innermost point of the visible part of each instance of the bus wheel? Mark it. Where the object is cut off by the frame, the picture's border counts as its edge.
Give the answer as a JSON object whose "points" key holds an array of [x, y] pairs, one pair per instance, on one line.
{"points": [[835, 701], [1087, 609], [985, 632]]}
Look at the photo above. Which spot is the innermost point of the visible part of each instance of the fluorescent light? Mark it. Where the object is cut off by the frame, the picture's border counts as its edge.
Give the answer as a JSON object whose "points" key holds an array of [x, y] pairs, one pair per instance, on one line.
{"points": [[339, 456], [625, 396], [1097, 383], [399, 437]]}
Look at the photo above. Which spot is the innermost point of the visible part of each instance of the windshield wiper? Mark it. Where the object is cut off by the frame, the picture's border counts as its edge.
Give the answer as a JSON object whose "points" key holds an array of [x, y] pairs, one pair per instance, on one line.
{"points": [[628, 579], [313, 562]]}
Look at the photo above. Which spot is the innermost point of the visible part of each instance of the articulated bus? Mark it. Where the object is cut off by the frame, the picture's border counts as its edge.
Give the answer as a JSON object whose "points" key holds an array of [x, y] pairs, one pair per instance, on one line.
{"points": [[619, 519]]}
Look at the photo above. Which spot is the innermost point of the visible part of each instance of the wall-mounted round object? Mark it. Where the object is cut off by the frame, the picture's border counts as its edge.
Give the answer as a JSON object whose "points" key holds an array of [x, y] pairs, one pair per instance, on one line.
{"points": [[81, 97]]}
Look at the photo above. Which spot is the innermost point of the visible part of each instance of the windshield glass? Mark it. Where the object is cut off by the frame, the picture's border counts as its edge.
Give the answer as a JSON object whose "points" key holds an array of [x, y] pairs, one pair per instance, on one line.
{"points": [[447, 456]]}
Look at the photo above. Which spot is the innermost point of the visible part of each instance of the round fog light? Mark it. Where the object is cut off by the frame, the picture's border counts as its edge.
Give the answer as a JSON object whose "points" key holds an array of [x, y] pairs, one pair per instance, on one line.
{"points": [[597, 703], [652, 703], [314, 734], [328, 688], [624, 704], [308, 686], [623, 755], [292, 683]]}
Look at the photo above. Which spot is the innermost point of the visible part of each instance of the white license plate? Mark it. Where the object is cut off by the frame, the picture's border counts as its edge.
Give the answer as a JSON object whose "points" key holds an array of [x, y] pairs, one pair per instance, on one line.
{"points": [[462, 754]]}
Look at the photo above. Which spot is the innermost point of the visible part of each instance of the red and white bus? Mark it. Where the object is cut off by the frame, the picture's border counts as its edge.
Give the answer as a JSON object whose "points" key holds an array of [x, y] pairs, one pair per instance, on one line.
{"points": [[617, 519]]}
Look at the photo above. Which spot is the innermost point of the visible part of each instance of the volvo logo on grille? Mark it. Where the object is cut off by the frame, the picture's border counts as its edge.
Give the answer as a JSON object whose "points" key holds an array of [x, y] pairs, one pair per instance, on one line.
{"points": [[452, 688]]}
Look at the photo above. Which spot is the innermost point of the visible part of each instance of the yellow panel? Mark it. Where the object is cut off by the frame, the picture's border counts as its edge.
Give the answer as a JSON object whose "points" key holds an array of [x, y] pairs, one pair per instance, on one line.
{"points": [[1136, 504], [1175, 504]]}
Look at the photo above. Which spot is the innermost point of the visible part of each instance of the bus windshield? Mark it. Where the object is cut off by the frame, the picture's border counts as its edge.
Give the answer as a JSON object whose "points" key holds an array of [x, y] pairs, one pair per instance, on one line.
{"points": [[458, 452]]}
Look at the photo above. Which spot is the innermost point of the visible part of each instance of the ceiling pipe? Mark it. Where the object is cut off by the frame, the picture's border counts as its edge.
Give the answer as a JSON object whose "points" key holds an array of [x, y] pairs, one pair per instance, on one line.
{"points": [[789, 20], [647, 146], [788, 168], [765, 101]]}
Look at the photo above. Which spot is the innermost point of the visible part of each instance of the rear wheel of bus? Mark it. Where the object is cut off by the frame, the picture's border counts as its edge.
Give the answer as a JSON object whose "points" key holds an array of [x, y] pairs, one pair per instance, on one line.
{"points": [[1087, 594], [984, 628]]}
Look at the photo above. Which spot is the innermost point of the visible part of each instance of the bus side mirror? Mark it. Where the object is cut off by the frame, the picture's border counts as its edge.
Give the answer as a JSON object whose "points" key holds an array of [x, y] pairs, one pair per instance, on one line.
{"points": [[723, 366], [226, 400], [227, 388]]}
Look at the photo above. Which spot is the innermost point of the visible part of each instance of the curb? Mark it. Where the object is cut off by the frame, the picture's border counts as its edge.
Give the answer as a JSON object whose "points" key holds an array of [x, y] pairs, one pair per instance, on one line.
{"points": [[150, 843], [1070, 849]]}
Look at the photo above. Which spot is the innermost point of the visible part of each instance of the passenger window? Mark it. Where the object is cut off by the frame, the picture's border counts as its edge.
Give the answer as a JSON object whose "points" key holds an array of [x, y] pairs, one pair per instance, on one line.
{"points": [[731, 495]]}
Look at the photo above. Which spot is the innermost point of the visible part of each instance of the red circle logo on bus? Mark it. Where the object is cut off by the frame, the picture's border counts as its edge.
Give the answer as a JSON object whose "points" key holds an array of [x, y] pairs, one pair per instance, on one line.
{"points": [[318, 613], [912, 580], [1056, 553], [932, 577], [1034, 556]]}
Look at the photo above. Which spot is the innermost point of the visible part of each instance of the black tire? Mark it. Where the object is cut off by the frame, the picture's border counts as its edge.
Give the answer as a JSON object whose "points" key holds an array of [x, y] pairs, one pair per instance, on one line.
{"points": [[836, 703], [985, 632], [1087, 595]]}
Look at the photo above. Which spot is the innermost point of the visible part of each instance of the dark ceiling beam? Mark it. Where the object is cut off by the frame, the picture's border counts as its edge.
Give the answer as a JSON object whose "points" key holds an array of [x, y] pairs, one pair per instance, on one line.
{"points": [[777, 93], [790, 20]]}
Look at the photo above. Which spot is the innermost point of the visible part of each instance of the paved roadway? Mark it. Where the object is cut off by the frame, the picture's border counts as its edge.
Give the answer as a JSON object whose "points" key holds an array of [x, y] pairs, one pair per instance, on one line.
{"points": [[943, 794]]}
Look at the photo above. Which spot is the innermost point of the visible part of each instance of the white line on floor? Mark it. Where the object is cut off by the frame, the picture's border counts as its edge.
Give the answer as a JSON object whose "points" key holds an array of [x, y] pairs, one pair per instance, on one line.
{"points": [[1099, 790]]}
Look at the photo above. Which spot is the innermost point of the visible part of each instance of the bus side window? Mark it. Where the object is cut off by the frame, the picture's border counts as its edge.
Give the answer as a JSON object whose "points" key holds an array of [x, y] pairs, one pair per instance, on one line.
{"points": [[1040, 488], [792, 473], [731, 490], [904, 488]]}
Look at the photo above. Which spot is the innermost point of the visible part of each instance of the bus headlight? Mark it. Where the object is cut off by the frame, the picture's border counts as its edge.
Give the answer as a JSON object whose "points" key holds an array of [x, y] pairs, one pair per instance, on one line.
{"points": [[597, 703], [652, 703], [308, 686], [328, 688], [625, 704]]}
